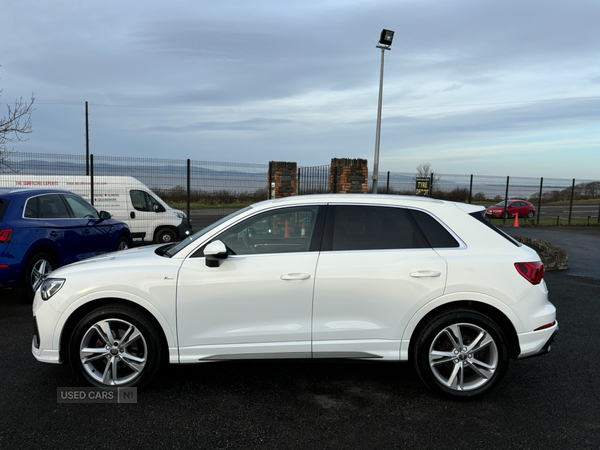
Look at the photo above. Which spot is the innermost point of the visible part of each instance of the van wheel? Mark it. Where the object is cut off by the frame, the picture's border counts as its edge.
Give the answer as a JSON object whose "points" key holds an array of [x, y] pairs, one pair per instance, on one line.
{"points": [[165, 236], [40, 265]]}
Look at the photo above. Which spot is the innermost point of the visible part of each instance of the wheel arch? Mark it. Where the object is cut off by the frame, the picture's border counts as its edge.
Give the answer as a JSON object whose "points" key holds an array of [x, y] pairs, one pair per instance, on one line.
{"points": [[76, 316], [32, 251], [495, 314]]}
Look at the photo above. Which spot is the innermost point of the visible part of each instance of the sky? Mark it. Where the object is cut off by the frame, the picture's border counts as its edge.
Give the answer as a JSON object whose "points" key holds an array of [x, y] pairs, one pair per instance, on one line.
{"points": [[507, 87]]}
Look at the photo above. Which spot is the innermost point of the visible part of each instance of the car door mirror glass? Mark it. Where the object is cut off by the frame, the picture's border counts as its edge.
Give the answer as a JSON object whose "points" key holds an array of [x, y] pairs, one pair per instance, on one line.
{"points": [[104, 215]]}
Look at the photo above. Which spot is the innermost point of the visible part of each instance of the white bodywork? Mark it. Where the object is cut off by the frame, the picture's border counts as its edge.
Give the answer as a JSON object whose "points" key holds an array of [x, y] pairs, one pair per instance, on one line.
{"points": [[111, 194], [357, 304]]}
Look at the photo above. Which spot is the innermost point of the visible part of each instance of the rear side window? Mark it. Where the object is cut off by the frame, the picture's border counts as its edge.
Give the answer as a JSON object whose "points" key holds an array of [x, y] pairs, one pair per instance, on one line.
{"points": [[372, 228], [479, 216], [52, 207], [435, 233], [3, 207]]}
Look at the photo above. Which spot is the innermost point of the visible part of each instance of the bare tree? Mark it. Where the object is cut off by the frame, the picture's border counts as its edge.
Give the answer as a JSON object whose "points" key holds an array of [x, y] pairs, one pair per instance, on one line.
{"points": [[14, 126], [425, 170]]}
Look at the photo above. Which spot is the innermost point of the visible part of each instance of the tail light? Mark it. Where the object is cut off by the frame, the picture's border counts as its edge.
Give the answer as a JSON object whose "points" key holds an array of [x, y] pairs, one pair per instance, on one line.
{"points": [[5, 236], [532, 272]]}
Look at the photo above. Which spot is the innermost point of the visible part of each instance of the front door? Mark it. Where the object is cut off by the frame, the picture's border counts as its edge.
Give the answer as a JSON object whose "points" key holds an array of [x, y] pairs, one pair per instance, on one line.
{"points": [[258, 302]]}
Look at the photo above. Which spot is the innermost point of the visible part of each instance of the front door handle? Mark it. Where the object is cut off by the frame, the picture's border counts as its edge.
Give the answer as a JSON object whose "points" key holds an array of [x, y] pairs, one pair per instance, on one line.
{"points": [[295, 276], [425, 274], [132, 215]]}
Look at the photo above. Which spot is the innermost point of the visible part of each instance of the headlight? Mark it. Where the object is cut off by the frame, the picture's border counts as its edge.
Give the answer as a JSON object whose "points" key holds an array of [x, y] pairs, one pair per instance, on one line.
{"points": [[51, 286], [180, 214]]}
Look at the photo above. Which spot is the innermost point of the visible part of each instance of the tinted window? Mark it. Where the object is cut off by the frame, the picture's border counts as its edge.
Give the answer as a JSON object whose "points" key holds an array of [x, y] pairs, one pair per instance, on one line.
{"points": [[3, 208], [479, 216], [372, 228], [435, 233], [283, 230], [81, 209], [52, 207], [31, 208]]}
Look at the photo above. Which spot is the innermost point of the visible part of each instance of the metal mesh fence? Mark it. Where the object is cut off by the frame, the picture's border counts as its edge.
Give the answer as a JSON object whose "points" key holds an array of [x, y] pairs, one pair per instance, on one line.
{"points": [[207, 191]]}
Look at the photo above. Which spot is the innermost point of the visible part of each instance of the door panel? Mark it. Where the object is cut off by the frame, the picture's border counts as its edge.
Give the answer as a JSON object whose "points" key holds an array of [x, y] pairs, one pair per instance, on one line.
{"points": [[245, 306]]}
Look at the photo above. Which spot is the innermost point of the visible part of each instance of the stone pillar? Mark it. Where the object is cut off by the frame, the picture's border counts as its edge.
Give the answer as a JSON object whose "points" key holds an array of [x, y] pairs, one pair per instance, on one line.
{"points": [[348, 176], [283, 179]]}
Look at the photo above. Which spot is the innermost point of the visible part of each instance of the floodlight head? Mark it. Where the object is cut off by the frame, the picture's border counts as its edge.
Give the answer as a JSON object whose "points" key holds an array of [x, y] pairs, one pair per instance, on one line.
{"points": [[386, 37]]}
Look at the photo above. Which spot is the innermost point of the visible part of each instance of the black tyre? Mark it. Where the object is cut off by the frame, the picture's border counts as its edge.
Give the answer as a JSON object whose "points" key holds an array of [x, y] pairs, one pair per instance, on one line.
{"points": [[505, 215], [116, 346], [530, 214], [37, 268], [461, 354], [165, 236], [122, 244]]}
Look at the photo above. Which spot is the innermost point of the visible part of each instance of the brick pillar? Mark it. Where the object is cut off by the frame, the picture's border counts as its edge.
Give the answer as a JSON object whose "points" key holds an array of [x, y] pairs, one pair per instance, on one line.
{"points": [[348, 176], [283, 179]]}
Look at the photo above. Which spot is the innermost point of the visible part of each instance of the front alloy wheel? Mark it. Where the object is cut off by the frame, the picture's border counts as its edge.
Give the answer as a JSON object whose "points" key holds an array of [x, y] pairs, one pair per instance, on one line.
{"points": [[116, 346], [461, 354]]}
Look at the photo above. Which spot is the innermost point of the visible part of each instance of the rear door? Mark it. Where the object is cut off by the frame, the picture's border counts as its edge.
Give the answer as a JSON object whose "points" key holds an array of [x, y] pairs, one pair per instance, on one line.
{"points": [[374, 271], [58, 226]]}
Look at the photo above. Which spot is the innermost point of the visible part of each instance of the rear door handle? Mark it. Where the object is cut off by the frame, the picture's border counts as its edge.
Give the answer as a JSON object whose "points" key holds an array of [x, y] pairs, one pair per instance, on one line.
{"points": [[53, 233], [86, 231], [425, 274], [295, 276]]}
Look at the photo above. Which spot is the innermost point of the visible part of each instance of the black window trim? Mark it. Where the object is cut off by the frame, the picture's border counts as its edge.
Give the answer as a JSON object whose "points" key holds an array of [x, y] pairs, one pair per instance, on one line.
{"points": [[315, 243], [60, 194], [328, 231]]}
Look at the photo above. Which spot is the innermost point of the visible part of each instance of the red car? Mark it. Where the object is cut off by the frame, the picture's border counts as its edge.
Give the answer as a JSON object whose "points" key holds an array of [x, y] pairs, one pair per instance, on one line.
{"points": [[520, 207]]}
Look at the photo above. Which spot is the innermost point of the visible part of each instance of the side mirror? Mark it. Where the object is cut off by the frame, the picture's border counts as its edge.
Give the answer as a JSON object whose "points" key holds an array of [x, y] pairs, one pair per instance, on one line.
{"points": [[214, 252], [104, 215], [158, 208]]}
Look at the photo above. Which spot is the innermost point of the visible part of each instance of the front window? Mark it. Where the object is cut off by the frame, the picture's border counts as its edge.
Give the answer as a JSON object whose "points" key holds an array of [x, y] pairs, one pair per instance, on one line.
{"points": [[284, 230], [142, 201], [81, 209], [187, 241]]}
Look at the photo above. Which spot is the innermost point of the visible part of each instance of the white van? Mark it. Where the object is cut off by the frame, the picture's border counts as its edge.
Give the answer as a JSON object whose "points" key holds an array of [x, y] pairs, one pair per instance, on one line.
{"points": [[126, 198]]}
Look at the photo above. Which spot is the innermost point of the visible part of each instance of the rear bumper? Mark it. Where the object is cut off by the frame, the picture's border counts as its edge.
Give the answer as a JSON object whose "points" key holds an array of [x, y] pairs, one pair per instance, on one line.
{"points": [[537, 343]]}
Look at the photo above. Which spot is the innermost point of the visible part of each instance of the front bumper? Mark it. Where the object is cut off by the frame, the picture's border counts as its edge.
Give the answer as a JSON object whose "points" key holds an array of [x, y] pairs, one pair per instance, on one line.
{"points": [[184, 229], [44, 346]]}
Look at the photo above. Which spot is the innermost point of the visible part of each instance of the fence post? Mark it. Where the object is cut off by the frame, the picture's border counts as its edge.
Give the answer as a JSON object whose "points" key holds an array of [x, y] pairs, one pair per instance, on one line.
{"points": [[188, 191], [505, 202], [471, 189], [572, 195], [92, 180], [431, 186], [387, 188], [270, 180], [539, 211], [298, 179], [598, 214]]}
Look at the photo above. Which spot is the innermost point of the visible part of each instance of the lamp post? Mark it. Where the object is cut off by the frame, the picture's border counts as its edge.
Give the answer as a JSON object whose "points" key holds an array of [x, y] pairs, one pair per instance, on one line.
{"points": [[385, 43]]}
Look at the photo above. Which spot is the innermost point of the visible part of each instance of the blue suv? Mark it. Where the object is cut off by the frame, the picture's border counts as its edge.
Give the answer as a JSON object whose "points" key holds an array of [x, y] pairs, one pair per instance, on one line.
{"points": [[42, 229]]}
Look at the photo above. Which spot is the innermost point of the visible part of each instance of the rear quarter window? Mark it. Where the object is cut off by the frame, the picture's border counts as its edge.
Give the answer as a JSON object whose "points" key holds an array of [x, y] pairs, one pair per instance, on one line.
{"points": [[3, 207], [435, 233], [479, 217]]}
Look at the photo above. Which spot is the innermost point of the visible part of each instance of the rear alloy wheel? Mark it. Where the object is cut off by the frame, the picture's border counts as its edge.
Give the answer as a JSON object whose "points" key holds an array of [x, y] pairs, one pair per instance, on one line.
{"points": [[38, 267], [530, 214], [116, 346], [461, 354]]}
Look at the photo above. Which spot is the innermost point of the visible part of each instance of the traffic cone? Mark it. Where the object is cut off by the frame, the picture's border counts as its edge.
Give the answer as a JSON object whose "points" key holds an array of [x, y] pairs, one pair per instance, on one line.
{"points": [[516, 225], [303, 232], [287, 230]]}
